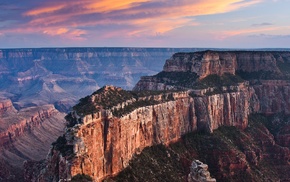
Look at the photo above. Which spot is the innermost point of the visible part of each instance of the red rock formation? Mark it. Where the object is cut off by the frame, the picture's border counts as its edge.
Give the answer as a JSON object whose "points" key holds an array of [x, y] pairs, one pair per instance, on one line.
{"points": [[214, 62], [14, 126], [103, 144], [27, 135], [273, 96], [6, 106]]}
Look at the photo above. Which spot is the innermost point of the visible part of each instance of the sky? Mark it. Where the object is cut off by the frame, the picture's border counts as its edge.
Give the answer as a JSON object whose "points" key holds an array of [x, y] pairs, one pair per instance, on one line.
{"points": [[145, 23]]}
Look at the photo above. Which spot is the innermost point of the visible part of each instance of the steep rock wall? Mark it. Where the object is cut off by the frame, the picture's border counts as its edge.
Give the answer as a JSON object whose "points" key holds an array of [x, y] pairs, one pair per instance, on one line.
{"points": [[23, 121], [27, 135], [105, 144], [273, 96], [203, 63], [214, 62]]}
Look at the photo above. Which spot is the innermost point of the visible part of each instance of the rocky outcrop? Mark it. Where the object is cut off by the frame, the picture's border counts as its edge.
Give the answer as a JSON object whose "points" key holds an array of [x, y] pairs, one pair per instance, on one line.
{"points": [[199, 173], [6, 107], [231, 155], [108, 127], [218, 63], [202, 63], [215, 62], [104, 144], [273, 96]]}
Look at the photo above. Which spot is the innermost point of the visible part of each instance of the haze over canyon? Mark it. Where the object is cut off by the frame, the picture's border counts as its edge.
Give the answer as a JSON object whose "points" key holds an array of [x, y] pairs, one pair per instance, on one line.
{"points": [[229, 109]]}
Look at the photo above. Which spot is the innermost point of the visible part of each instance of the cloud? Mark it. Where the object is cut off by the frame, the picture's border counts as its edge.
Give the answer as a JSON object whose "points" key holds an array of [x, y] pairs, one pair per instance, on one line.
{"points": [[281, 36], [44, 10], [261, 24], [134, 17], [250, 31]]}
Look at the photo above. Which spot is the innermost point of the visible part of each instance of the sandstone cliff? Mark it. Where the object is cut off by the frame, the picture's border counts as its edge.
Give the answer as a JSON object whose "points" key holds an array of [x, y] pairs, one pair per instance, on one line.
{"points": [[104, 144], [208, 90], [203, 64]]}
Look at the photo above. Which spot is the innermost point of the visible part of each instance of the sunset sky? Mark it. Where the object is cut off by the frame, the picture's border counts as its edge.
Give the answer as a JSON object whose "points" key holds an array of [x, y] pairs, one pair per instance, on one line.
{"points": [[145, 23]]}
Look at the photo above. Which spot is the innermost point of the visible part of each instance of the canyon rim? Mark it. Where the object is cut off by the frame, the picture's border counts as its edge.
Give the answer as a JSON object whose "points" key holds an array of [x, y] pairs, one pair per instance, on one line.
{"points": [[238, 100]]}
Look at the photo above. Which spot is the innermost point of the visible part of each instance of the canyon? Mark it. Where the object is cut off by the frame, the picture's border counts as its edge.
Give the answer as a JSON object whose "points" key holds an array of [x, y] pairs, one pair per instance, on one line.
{"points": [[229, 109], [39, 85], [26, 134], [60, 76]]}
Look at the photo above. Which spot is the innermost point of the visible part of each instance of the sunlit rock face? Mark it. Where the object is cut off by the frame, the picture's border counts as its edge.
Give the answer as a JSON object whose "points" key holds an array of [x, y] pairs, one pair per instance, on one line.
{"points": [[106, 129], [104, 144]]}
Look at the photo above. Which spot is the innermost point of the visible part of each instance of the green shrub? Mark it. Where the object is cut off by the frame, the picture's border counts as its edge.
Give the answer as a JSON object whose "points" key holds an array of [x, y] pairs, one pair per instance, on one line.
{"points": [[182, 79], [219, 81], [81, 178], [61, 145]]}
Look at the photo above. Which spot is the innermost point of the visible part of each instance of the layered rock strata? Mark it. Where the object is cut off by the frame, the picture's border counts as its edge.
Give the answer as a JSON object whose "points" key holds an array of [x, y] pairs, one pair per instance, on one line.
{"points": [[104, 144], [61, 76], [27, 135], [102, 137], [214, 62]]}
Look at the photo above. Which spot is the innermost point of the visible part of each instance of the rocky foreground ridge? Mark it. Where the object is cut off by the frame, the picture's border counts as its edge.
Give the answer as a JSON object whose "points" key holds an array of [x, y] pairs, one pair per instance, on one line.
{"points": [[195, 92]]}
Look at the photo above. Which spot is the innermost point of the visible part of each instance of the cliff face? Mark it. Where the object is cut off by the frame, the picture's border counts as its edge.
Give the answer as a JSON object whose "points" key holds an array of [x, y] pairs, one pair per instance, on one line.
{"points": [[213, 62], [104, 144], [202, 63], [273, 96], [27, 135], [218, 63], [231, 154], [106, 129]]}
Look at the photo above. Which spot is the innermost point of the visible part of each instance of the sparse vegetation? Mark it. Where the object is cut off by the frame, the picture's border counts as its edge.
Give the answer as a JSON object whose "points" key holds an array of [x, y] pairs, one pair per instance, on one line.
{"points": [[219, 81], [274, 123], [61, 145], [261, 75], [81, 178], [227, 145], [284, 67], [85, 106], [108, 97], [127, 109], [70, 121], [181, 79]]}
